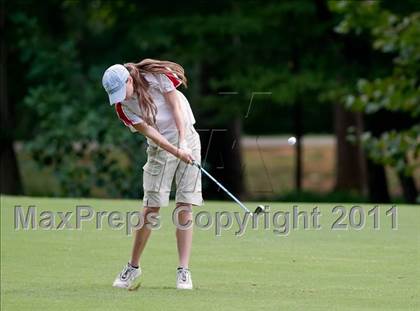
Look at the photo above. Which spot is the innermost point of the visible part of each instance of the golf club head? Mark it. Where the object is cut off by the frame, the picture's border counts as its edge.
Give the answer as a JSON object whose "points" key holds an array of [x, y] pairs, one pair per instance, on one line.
{"points": [[259, 209]]}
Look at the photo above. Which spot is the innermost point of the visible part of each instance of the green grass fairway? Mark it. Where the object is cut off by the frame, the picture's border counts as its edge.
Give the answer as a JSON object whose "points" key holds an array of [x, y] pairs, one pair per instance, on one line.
{"points": [[312, 269]]}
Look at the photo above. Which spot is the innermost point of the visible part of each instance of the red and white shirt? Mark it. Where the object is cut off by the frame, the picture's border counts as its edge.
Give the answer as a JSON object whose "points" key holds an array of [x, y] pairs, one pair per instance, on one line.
{"points": [[129, 111]]}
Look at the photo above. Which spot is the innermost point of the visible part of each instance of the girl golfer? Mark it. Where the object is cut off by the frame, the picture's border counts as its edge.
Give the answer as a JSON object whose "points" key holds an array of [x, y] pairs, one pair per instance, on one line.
{"points": [[146, 100]]}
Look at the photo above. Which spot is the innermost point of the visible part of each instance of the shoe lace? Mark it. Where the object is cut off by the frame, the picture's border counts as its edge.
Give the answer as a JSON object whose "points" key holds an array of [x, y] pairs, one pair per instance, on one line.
{"points": [[183, 275], [126, 273]]}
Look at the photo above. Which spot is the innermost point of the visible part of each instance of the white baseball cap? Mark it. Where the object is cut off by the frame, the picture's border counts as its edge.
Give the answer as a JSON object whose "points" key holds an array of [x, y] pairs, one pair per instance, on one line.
{"points": [[114, 82]]}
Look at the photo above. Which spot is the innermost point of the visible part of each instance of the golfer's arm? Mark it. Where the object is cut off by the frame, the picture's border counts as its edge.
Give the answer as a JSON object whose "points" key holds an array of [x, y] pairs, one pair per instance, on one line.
{"points": [[172, 99], [157, 138]]}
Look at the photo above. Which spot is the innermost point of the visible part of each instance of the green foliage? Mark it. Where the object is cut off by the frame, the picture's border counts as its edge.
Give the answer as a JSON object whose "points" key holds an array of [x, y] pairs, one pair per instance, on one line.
{"points": [[392, 148], [74, 131], [64, 47], [247, 48], [398, 92], [284, 48]]}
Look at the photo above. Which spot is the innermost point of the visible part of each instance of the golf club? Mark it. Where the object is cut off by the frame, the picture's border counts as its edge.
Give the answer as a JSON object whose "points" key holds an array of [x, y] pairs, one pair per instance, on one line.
{"points": [[258, 210]]}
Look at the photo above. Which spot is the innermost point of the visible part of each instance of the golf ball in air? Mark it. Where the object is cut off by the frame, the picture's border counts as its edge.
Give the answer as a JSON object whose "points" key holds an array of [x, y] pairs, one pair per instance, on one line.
{"points": [[291, 140]]}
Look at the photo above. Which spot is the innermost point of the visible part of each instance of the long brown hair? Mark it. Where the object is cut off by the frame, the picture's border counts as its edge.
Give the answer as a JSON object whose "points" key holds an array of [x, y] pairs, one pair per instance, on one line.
{"points": [[140, 84]]}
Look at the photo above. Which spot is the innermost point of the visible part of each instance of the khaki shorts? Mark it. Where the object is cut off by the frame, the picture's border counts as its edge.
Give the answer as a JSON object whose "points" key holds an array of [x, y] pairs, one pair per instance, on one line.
{"points": [[162, 166]]}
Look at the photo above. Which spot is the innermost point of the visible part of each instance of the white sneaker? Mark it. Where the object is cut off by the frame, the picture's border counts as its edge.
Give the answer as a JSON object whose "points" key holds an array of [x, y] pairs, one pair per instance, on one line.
{"points": [[183, 279], [128, 278]]}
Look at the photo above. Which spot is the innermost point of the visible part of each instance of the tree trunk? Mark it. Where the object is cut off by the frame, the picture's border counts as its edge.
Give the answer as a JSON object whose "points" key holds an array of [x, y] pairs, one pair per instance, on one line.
{"points": [[409, 187], [377, 182], [233, 154], [298, 145], [378, 185], [9, 173], [350, 163], [221, 151], [297, 118]]}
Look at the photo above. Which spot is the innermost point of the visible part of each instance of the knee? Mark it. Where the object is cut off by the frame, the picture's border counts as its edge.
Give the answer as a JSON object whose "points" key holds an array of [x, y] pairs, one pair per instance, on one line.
{"points": [[149, 213], [147, 210], [184, 215], [184, 208]]}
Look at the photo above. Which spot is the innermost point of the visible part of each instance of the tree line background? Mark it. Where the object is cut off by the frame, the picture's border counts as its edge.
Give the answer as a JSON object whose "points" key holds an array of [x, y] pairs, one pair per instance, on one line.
{"points": [[344, 67]]}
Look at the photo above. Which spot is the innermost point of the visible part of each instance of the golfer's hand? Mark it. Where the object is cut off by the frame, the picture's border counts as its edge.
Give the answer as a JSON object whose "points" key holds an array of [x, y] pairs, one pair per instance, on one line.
{"points": [[185, 156]]}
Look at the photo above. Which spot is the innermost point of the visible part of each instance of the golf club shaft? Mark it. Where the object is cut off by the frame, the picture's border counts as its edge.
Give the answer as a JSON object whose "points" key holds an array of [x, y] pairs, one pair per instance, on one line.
{"points": [[221, 186]]}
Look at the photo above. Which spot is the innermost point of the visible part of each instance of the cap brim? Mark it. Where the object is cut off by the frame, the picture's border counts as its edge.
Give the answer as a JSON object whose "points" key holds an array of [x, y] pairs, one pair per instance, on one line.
{"points": [[117, 97]]}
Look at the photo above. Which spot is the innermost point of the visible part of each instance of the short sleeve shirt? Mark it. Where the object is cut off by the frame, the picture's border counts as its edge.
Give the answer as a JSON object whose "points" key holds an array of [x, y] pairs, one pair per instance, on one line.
{"points": [[130, 113]]}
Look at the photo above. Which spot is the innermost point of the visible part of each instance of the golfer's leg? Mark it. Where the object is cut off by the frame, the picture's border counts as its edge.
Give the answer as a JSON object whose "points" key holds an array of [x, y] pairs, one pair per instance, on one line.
{"points": [[184, 235], [141, 236]]}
